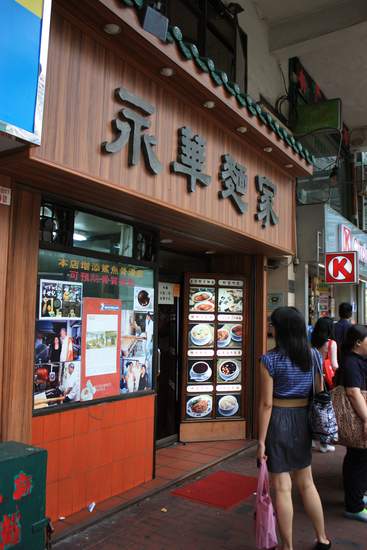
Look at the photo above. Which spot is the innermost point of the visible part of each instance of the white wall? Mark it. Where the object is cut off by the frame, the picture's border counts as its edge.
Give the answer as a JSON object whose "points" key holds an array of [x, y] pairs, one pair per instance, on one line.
{"points": [[263, 71]]}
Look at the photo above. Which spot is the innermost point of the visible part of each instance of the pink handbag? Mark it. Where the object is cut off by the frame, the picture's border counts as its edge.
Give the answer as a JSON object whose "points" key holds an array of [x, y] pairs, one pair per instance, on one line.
{"points": [[265, 522]]}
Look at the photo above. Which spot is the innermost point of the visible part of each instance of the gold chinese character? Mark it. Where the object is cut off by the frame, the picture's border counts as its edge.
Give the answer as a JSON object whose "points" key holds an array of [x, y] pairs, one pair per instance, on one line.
{"points": [[105, 268], [123, 271], [85, 265], [63, 262], [74, 264], [114, 270], [96, 267]]}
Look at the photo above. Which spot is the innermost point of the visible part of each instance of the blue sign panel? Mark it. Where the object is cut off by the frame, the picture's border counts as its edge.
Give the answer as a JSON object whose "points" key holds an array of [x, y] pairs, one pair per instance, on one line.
{"points": [[23, 46]]}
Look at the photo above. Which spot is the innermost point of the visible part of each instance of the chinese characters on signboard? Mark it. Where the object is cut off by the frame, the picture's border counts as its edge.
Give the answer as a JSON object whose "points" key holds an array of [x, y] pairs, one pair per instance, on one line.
{"points": [[131, 130]]}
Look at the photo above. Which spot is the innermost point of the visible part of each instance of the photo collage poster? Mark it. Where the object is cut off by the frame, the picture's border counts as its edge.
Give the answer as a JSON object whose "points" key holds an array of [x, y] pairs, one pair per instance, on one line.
{"points": [[137, 342], [214, 342], [72, 364]]}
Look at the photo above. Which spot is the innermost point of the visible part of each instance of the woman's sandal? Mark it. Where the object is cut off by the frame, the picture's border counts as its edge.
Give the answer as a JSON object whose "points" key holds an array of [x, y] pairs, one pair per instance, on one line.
{"points": [[322, 546]]}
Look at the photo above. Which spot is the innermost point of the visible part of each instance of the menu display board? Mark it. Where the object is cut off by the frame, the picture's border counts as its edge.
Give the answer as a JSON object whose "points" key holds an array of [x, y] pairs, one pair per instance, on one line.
{"points": [[214, 351]]}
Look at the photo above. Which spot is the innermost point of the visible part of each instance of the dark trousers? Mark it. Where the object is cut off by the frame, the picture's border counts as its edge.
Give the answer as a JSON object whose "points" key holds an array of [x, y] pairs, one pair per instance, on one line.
{"points": [[354, 479]]}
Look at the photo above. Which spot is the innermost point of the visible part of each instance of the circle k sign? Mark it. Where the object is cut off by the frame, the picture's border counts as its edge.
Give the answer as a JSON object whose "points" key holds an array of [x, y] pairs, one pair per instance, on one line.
{"points": [[341, 267]]}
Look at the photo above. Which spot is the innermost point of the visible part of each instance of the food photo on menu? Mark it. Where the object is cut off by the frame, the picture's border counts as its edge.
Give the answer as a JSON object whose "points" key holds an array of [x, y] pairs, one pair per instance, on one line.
{"points": [[60, 299], [199, 406], [228, 370], [202, 300], [230, 300], [229, 335], [200, 370], [56, 384], [143, 299], [228, 405], [201, 335]]}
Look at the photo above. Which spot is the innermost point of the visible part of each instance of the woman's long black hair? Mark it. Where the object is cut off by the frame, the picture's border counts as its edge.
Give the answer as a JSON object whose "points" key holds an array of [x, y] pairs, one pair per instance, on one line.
{"points": [[322, 332], [291, 337]]}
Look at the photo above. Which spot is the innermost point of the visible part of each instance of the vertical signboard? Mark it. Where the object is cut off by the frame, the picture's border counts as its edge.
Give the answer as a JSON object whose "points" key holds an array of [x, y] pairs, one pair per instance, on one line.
{"points": [[24, 37], [215, 326]]}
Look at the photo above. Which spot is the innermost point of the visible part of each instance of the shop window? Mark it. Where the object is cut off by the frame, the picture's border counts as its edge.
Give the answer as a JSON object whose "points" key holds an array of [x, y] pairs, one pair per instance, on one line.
{"points": [[55, 224], [215, 30], [94, 329], [102, 235], [144, 246]]}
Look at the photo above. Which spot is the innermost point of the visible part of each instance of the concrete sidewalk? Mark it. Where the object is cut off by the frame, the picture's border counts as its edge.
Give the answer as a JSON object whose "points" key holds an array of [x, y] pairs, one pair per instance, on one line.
{"points": [[189, 525]]}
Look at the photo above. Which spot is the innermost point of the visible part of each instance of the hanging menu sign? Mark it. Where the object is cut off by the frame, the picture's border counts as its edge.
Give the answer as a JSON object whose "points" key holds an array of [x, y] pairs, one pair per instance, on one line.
{"points": [[214, 329]]}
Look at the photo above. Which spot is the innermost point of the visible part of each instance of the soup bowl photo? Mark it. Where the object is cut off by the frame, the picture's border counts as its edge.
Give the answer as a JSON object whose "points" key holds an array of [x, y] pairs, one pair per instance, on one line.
{"points": [[229, 370], [201, 334], [223, 337], [236, 333], [200, 371], [228, 405]]}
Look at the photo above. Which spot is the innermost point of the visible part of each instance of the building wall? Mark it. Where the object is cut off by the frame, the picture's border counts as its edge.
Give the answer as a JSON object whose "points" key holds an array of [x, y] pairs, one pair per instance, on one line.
{"points": [[264, 76], [95, 452]]}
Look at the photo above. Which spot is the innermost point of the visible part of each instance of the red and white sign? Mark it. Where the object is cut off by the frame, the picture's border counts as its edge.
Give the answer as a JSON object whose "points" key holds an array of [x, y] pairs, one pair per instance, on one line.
{"points": [[349, 243], [341, 267]]}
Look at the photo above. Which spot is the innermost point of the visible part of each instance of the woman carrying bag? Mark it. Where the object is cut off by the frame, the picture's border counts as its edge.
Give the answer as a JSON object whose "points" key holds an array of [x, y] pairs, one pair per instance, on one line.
{"points": [[323, 339], [286, 383], [354, 379]]}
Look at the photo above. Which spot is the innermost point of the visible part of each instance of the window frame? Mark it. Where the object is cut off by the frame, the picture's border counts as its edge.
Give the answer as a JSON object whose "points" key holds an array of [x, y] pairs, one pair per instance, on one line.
{"points": [[239, 39], [153, 265]]}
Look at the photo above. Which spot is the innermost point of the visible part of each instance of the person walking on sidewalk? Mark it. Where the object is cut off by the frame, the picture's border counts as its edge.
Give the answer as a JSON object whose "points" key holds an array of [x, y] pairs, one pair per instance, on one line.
{"points": [[341, 327], [323, 339], [284, 433], [354, 378]]}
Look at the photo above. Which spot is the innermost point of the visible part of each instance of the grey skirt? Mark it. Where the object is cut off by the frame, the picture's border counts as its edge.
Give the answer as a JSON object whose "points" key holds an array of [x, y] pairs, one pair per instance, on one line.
{"points": [[288, 441]]}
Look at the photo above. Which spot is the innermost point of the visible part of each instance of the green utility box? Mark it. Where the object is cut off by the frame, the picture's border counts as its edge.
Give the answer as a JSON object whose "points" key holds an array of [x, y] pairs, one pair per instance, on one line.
{"points": [[22, 496]]}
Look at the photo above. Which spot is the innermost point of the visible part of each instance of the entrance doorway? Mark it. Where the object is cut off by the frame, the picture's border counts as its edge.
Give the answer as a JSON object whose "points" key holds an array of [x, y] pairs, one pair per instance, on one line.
{"points": [[168, 372]]}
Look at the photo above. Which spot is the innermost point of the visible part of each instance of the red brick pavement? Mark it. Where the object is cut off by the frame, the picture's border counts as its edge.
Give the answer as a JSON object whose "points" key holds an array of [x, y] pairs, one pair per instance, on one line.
{"points": [[192, 526]]}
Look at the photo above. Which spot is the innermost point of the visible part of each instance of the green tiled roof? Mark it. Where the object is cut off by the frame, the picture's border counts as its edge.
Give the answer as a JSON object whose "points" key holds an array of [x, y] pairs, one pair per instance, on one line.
{"points": [[191, 53]]}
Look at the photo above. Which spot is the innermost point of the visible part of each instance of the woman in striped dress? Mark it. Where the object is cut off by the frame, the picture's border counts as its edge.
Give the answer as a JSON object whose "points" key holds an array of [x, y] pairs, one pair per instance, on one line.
{"points": [[284, 434]]}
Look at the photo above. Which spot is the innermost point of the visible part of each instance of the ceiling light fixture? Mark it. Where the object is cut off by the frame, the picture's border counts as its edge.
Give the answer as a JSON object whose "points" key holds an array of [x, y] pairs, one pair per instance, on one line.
{"points": [[209, 104], [268, 149], [209, 252], [167, 71], [166, 241], [241, 129], [288, 166], [112, 28]]}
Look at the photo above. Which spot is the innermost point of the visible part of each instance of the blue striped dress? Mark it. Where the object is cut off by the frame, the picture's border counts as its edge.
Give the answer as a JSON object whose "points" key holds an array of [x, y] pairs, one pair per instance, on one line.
{"points": [[288, 439]]}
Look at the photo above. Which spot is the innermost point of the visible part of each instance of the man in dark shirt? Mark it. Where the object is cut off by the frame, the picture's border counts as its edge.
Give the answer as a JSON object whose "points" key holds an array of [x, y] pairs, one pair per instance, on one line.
{"points": [[341, 327]]}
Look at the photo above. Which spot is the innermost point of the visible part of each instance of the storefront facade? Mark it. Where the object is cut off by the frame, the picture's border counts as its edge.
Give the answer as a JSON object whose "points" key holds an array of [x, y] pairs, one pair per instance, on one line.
{"points": [[101, 213], [328, 232]]}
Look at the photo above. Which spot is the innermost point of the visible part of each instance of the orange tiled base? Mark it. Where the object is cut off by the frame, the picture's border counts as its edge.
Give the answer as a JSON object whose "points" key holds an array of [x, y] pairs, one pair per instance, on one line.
{"points": [[172, 463], [95, 452]]}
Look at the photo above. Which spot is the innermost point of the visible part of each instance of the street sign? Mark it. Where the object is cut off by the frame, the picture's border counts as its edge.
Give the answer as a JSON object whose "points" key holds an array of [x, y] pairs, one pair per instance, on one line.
{"points": [[341, 267]]}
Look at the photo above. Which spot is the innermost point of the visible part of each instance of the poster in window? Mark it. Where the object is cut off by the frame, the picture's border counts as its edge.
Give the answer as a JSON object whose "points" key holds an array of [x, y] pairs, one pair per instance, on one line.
{"points": [[60, 300], [143, 299], [101, 348], [56, 384], [136, 351]]}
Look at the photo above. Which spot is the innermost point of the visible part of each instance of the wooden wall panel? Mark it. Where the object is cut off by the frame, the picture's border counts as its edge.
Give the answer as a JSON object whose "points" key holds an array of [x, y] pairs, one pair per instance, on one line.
{"points": [[19, 305], [80, 105], [4, 244]]}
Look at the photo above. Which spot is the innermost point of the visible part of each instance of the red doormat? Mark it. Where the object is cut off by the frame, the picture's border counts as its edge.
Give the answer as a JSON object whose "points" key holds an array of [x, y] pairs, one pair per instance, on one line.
{"points": [[221, 489]]}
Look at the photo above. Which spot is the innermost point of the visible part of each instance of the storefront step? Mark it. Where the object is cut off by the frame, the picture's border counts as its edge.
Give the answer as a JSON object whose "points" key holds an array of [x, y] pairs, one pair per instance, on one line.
{"points": [[173, 466]]}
